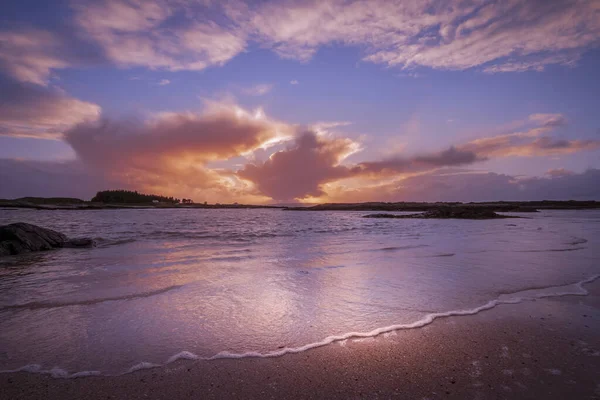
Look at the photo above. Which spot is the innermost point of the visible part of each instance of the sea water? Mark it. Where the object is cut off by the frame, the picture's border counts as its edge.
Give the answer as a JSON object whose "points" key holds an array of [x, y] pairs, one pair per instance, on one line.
{"points": [[198, 283]]}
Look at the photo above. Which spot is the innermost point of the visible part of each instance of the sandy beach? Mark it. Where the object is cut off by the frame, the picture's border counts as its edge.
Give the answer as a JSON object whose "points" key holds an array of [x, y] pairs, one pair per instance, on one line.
{"points": [[543, 349]]}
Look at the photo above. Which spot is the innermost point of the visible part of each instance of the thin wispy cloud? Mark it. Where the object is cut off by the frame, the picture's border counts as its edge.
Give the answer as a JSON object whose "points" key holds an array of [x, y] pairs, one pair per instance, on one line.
{"points": [[258, 90], [432, 34], [294, 82], [164, 82]]}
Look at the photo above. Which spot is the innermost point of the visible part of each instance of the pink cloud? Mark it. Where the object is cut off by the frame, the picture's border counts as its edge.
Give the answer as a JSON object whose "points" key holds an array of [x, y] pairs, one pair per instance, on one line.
{"points": [[508, 36], [558, 172], [138, 33], [502, 36], [28, 110], [468, 186], [300, 170], [170, 153], [30, 55]]}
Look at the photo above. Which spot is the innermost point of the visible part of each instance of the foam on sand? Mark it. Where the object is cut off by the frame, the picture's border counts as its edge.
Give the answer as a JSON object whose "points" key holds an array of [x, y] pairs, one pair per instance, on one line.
{"points": [[575, 289]]}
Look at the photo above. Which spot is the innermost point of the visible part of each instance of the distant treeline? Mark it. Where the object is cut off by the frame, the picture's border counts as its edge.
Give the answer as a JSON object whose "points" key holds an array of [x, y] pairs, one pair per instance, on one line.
{"points": [[128, 196]]}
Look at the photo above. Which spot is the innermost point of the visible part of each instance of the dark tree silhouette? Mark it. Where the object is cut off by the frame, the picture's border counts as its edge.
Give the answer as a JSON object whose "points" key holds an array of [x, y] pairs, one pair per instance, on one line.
{"points": [[128, 196]]}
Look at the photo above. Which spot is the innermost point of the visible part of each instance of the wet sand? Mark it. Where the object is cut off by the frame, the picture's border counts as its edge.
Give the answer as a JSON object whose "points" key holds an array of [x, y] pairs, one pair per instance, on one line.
{"points": [[544, 349]]}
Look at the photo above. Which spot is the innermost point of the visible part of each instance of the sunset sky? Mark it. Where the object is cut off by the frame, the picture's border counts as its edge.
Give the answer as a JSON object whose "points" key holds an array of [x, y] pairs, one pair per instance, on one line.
{"points": [[311, 101]]}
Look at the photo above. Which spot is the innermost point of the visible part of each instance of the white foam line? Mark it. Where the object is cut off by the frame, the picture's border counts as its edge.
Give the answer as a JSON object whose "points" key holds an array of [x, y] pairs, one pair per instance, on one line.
{"points": [[184, 355], [142, 365], [575, 289], [54, 372], [428, 319]]}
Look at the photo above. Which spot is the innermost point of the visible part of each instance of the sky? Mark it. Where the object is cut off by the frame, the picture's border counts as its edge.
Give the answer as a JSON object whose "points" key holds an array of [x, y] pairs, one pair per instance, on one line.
{"points": [[301, 101]]}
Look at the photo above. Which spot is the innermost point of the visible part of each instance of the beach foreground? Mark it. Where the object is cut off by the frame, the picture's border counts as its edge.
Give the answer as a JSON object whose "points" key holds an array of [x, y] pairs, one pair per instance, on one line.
{"points": [[548, 348]]}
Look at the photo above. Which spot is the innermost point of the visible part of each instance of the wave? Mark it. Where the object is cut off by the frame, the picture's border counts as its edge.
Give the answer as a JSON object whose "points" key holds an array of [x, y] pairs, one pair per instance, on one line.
{"points": [[107, 242], [577, 240], [574, 289], [407, 247], [54, 372], [550, 250], [35, 305]]}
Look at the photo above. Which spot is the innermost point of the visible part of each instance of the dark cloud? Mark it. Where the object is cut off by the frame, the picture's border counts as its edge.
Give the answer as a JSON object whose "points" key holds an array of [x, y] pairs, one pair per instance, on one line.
{"points": [[300, 170], [446, 158], [526, 144]]}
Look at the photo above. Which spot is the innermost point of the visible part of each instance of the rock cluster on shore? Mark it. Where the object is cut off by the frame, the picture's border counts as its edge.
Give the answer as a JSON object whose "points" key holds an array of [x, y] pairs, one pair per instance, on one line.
{"points": [[24, 238], [448, 213]]}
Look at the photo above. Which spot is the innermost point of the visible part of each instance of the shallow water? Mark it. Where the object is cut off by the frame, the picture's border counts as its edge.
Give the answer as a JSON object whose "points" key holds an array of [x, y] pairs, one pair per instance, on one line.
{"points": [[228, 282]]}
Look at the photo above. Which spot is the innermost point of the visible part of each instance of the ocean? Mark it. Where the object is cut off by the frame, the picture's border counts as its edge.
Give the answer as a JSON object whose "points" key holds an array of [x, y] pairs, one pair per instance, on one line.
{"points": [[199, 284]]}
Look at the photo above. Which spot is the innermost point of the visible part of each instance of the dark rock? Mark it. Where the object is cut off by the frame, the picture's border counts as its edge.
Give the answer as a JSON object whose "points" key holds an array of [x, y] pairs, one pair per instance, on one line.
{"points": [[449, 213], [23, 238]]}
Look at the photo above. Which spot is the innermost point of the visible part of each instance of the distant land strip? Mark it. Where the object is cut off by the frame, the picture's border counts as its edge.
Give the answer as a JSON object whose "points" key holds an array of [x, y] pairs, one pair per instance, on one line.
{"points": [[151, 202]]}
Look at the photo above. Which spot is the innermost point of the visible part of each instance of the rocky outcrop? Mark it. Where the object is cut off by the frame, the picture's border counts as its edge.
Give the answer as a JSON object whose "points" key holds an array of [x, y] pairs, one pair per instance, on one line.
{"points": [[23, 238], [449, 213]]}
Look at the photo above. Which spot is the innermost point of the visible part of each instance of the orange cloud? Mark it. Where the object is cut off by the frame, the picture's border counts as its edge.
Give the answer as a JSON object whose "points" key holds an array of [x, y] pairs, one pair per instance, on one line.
{"points": [[530, 142], [472, 186], [169, 153], [300, 170], [196, 155]]}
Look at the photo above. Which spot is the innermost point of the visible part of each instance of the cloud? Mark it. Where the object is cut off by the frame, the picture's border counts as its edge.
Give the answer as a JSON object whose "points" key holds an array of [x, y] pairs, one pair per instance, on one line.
{"points": [[170, 152], [75, 179], [258, 90], [511, 35], [198, 136], [30, 110], [559, 172], [30, 55], [507, 36], [530, 142], [492, 187], [423, 162], [548, 120], [470, 185], [311, 169], [158, 33], [527, 143], [164, 82], [294, 82], [300, 170], [196, 155]]}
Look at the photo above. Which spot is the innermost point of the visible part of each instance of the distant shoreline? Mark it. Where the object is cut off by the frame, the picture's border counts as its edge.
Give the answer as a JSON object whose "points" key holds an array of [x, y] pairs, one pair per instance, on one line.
{"points": [[114, 206], [500, 206]]}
